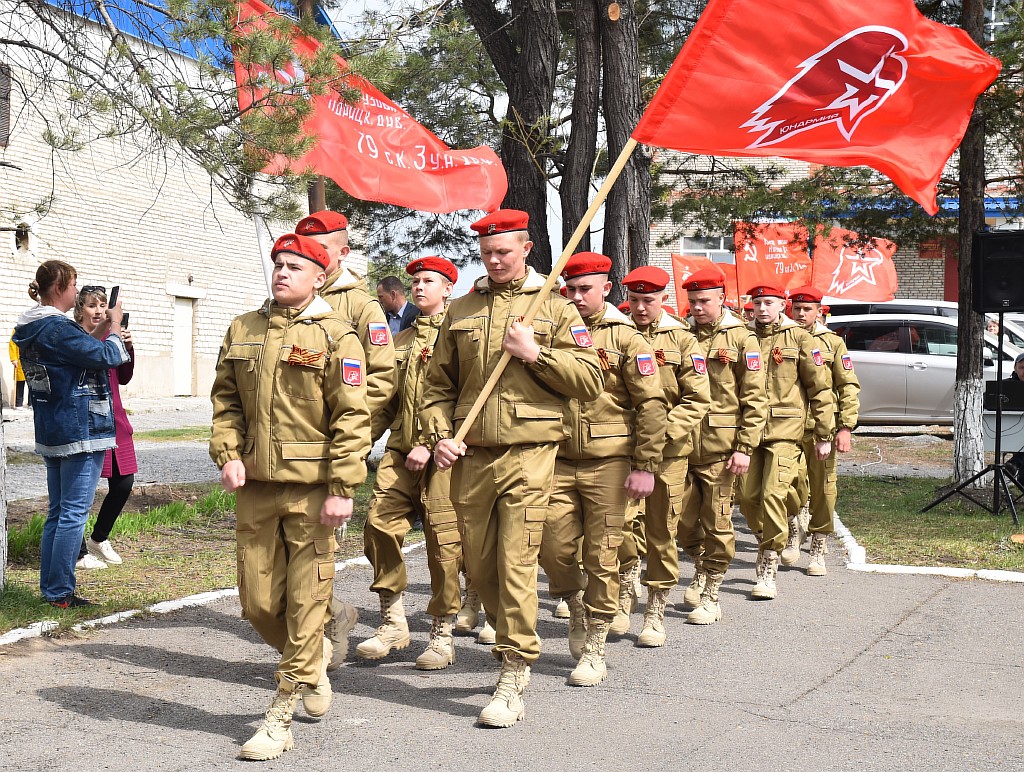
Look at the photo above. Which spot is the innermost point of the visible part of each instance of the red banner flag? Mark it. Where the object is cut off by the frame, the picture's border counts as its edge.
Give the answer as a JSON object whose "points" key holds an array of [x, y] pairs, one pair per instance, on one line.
{"points": [[772, 253], [844, 266], [373, 148], [684, 266], [831, 82]]}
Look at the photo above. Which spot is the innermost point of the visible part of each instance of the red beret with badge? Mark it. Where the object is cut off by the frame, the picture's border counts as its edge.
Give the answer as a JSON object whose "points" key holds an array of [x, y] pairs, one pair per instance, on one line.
{"points": [[501, 221], [646, 279], [586, 263], [302, 246], [806, 294], [765, 291], [436, 264], [705, 279], [322, 223], [623, 306]]}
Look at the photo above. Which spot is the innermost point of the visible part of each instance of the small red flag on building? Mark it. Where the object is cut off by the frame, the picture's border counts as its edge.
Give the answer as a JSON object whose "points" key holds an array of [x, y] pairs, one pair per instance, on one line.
{"points": [[825, 81], [371, 147], [846, 266]]}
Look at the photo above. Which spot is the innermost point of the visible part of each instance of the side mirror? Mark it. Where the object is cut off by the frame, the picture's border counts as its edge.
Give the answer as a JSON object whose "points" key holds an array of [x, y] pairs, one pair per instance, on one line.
{"points": [[988, 357]]}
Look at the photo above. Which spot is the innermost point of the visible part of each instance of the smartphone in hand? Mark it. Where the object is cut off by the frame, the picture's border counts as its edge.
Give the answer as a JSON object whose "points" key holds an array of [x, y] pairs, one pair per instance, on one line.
{"points": [[124, 321], [114, 292]]}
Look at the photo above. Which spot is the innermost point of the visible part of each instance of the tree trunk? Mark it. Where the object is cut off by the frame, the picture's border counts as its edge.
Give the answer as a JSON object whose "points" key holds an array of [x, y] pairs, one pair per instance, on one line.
{"points": [[627, 219], [581, 152], [968, 446], [3, 503]]}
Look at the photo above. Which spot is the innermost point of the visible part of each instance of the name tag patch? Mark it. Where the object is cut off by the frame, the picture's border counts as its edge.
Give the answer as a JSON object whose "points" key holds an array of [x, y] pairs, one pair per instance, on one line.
{"points": [[379, 334], [847, 362], [581, 335], [699, 364], [645, 364], [352, 371], [753, 360], [816, 356]]}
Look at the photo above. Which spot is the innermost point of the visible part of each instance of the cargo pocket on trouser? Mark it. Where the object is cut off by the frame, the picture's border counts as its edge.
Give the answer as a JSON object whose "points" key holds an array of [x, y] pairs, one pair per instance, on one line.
{"points": [[533, 534], [323, 569], [445, 528], [613, 525]]}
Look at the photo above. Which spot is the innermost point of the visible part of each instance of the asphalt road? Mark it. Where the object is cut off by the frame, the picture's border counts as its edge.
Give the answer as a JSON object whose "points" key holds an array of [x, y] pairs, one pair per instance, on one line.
{"points": [[849, 671]]}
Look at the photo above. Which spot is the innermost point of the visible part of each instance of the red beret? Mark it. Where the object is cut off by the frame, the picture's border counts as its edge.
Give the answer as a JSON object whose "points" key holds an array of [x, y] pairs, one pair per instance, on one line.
{"points": [[302, 246], [825, 309], [563, 291], [705, 279], [748, 306], [585, 263], [806, 294], [321, 223], [646, 278], [502, 221], [624, 306], [434, 263], [765, 290]]}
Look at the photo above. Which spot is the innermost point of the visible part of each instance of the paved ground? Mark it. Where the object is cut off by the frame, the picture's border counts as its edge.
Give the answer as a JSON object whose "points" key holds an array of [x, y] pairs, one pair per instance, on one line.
{"points": [[849, 671]]}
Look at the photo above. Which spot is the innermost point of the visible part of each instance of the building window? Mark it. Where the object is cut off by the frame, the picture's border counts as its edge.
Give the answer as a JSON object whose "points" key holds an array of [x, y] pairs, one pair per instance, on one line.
{"points": [[5, 104], [21, 234], [719, 249]]}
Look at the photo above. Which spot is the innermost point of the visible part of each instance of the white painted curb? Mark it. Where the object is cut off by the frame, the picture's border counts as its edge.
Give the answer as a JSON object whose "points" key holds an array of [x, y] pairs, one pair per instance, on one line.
{"points": [[37, 629]]}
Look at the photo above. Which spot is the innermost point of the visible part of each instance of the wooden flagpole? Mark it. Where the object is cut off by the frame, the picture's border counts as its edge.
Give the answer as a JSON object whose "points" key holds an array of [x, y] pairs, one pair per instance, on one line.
{"points": [[549, 285]]}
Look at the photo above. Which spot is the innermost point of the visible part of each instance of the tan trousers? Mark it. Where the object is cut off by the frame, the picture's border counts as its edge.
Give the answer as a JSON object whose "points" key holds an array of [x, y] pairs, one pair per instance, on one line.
{"points": [[398, 497], [705, 528], [501, 495], [286, 571], [588, 504], [663, 509], [634, 537], [767, 486], [817, 479]]}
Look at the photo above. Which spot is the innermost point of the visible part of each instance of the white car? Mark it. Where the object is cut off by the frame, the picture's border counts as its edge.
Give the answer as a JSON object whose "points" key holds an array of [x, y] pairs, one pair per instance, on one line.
{"points": [[900, 307]]}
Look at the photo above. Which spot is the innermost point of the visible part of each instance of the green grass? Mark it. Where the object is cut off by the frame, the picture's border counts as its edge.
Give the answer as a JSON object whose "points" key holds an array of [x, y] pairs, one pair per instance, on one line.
{"points": [[182, 434], [885, 517]]}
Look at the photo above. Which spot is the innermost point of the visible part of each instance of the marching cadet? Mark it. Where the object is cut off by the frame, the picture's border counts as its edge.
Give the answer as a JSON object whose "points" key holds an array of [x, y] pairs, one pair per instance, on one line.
{"points": [[407, 487], [346, 291], [795, 377], [290, 434], [502, 481], [609, 461], [684, 378], [723, 441], [818, 477]]}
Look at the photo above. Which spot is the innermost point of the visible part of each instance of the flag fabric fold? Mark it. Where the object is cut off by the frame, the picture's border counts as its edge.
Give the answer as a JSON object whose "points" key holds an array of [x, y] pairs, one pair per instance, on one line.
{"points": [[824, 81], [372, 148], [847, 267], [771, 253]]}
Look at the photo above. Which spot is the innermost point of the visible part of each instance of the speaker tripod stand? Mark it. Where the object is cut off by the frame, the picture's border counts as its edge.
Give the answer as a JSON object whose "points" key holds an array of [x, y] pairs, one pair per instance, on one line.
{"points": [[1001, 479]]}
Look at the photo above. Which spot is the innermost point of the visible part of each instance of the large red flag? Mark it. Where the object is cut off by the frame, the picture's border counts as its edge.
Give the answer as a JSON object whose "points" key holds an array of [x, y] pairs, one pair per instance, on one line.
{"points": [[827, 81], [771, 253], [684, 266], [373, 148], [844, 266]]}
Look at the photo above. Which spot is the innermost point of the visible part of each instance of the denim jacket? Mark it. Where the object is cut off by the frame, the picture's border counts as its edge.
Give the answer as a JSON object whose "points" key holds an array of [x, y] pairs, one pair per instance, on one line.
{"points": [[66, 369]]}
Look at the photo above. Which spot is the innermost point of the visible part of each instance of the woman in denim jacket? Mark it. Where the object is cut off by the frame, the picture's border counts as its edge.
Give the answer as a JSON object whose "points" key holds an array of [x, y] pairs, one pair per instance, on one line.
{"points": [[66, 369]]}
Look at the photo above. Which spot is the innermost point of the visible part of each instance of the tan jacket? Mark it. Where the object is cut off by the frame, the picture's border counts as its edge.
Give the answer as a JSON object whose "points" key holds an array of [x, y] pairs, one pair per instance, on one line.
{"points": [[414, 346], [844, 381], [739, 404], [630, 416], [796, 380], [686, 384], [527, 404], [346, 291], [299, 422]]}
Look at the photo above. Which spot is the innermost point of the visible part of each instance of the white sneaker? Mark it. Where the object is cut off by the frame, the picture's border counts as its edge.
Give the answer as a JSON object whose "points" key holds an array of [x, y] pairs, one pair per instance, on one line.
{"points": [[90, 561], [104, 551]]}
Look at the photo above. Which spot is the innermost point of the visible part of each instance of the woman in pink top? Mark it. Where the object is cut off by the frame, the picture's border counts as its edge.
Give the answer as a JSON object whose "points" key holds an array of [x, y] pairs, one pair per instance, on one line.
{"points": [[120, 464]]}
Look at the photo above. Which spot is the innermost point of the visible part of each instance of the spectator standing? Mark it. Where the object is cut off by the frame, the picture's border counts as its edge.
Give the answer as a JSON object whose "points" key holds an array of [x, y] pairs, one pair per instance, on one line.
{"points": [[400, 313], [19, 375]]}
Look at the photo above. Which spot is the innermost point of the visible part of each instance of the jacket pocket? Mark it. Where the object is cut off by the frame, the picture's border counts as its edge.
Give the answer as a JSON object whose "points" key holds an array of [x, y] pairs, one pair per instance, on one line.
{"points": [[468, 337], [786, 412], [300, 375], [538, 412], [245, 359], [305, 451], [610, 429], [101, 418]]}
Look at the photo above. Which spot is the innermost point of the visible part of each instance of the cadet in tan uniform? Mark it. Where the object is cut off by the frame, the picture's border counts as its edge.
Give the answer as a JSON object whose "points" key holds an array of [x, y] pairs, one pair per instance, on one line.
{"points": [[685, 380], [408, 486], [723, 441], [346, 291], [290, 435], [818, 478], [608, 462], [502, 481], [795, 379]]}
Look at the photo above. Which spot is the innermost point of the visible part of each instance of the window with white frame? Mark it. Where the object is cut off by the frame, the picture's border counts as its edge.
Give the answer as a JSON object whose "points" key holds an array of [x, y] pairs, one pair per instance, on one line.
{"points": [[720, 249]]}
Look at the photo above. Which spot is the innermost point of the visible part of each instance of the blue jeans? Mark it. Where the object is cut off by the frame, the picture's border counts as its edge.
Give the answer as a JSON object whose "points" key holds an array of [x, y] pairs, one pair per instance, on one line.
{"points": [[71, 483]]}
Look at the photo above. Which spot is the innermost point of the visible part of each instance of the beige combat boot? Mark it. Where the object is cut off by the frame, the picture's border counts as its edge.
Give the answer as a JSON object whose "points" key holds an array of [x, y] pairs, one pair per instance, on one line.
{"points": [[709, 611], [692, 596], [343, 620], [577, 624], [629, 601], [561, 609], [487, 635], [765, 588], [653, 633], [506, 706], [393, 632], [318, 701], [469, 615], [816, 567], [274, 736], [440, 652], [791, 554], [592, 669], [804, 516]]}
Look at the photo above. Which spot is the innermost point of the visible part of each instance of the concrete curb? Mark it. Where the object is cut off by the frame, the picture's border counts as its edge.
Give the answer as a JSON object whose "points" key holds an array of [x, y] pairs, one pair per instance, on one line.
{"points": [[37, 629]]}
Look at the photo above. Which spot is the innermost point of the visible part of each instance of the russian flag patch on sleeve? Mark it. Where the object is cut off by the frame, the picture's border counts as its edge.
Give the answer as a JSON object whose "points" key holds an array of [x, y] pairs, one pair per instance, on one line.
{"points": [[645, 364], [847, 362], [379, 334], [581, 335], [753, 360], [818, 359], [699, 364], [352, 371]]}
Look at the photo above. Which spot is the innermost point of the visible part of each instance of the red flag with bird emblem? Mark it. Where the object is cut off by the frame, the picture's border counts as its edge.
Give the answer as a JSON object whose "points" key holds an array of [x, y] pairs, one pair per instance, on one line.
{"points": [[847, 266]]}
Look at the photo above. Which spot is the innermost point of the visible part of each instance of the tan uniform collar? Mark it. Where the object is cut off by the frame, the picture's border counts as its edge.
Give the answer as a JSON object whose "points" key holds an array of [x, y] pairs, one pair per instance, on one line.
{"points": [[783, 323], [726, 320], [609, 315], [532, 282], [315, 309], [343, 278]]}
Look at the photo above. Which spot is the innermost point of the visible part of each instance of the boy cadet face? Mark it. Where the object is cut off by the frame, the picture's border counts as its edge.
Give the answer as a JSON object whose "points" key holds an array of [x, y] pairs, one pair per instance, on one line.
{"points": [[429, 291], [588, 292], [706, 305], [295, 280], [768, 309], [336, 245], [504, 255], [645, 308], [806, 314]]}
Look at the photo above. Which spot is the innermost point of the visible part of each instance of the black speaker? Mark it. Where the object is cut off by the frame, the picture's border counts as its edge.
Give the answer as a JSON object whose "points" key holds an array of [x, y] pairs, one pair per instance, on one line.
{"points": [[998, 276]]}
